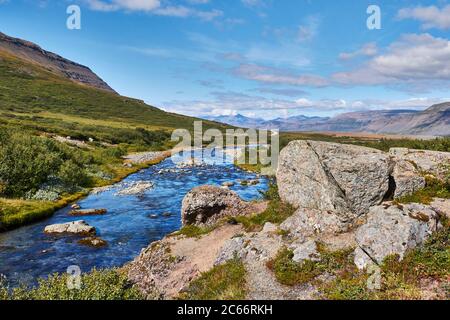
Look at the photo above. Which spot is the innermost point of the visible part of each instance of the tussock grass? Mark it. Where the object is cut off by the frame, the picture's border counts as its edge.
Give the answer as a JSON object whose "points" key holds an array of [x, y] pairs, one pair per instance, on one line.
{"points": [[224, 282], [276, 212], [192, 231], [290, 273]]}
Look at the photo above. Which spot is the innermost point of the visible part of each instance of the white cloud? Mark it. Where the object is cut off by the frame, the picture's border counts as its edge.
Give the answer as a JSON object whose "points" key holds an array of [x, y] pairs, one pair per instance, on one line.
{"points": [[155, 7], [431, 17], [232, 103], [309, 29], [413, 60], [198, 1], [367, 50], [133, 5], [275, 76], [253, 3]]}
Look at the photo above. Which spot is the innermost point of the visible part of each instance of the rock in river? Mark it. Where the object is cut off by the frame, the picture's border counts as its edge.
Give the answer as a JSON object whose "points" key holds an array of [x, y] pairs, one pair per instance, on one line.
{"points": [[77, 227], [93, 242], [88, 212], [135, 188]]}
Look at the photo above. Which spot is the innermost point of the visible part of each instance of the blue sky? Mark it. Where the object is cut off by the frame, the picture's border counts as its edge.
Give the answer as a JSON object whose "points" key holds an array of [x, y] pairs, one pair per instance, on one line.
{"points": [[260, 58]]}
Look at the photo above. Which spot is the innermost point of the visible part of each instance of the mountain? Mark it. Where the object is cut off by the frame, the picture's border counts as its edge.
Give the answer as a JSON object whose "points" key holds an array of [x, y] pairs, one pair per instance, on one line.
{"points": [[39, 90], [33, 53], [285, 124], [293, 123], [237, 120], [434, 121]]}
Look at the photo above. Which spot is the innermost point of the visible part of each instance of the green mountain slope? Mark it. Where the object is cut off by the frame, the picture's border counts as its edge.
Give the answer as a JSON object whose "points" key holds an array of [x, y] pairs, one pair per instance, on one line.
{"points": [[38, 97]]}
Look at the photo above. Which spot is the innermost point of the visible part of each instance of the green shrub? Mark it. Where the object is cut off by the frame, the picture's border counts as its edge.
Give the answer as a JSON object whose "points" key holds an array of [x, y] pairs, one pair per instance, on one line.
{"points": [[292, 273], [96, 285], [289, 272], [26, 162], [72, 175]]}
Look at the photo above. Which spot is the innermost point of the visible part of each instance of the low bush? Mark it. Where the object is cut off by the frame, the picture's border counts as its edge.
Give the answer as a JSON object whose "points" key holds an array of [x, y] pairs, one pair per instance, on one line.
{"points": [[95, 285], [27, 162]]}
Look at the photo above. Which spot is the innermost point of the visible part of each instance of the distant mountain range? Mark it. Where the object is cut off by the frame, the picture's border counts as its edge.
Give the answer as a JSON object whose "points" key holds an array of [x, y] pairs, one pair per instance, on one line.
{"points": [[434, 121], [31, 52]]}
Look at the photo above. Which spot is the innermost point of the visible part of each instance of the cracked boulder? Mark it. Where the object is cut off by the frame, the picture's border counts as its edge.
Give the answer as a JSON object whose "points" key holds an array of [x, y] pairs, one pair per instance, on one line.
{"points": [[393, 229], [343, 179]]}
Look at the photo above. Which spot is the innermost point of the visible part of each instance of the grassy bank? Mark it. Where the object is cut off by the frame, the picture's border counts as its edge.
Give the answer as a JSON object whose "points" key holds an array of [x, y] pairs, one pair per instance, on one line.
{"points": [[39, 175]]}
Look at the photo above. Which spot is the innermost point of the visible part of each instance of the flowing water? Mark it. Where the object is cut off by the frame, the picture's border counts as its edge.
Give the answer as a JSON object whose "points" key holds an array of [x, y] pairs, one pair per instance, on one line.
{"points": [[131, 223]]}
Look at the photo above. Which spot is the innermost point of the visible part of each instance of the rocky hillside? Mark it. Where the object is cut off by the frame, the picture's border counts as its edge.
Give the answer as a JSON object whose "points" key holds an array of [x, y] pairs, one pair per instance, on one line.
{"points": [[341, 212], [43, 91], [435, 121], [52, 62]]}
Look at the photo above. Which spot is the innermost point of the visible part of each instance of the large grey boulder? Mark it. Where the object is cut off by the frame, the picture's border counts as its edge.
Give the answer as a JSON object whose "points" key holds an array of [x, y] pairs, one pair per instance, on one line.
{"points": [[393, 229], [344, 179], [77, 227], [432, 162], [206, 205], [303, 181], [407, 178], [311, 222]]}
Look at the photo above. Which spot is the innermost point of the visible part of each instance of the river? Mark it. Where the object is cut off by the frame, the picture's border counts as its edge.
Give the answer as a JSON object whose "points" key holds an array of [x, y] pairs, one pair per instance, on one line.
{"points": [[131, 223]]}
